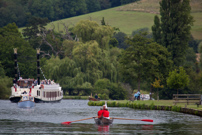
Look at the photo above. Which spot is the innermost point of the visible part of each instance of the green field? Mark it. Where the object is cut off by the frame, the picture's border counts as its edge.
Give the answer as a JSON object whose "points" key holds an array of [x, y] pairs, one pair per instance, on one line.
{"points": [[132, 17], [126, 21]]}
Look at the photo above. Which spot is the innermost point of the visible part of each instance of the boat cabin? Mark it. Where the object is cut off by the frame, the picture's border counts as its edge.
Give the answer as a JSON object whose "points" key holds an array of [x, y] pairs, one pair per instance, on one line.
{"points": [[25, 83]]}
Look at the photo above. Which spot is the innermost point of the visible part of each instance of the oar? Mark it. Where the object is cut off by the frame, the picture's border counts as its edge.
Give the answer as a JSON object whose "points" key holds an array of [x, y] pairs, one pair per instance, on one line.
{"points": [[68, 122], [146, 120]]}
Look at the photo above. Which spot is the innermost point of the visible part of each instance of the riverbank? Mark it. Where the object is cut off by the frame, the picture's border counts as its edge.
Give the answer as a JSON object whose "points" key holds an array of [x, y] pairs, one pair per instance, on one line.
{"points": [[152, 105], [76, 97]]}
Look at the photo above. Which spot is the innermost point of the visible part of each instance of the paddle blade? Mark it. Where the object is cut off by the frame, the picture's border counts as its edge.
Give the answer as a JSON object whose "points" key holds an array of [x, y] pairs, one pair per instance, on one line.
{"points": [[147, 120], [66, 123]]}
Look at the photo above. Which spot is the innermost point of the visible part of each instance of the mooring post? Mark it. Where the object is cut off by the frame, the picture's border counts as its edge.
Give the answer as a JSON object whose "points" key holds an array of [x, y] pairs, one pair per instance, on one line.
{"points": [[16, 67], [38, 66]]}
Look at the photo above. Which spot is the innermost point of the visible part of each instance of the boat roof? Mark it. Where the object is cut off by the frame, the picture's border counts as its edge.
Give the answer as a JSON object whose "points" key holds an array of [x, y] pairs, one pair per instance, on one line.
{"points": [[26, 80]]}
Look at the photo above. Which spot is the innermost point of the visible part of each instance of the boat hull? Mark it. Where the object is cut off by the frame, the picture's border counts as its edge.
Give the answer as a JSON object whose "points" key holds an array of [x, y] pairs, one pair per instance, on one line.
{"points": [[26, 104], [93, 99], [15, 99], [37, 100], [103, 121]]}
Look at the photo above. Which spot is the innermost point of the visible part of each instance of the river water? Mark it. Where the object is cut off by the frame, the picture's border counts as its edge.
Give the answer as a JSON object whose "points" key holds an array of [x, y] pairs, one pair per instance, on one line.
{"points": [[46, 118]]}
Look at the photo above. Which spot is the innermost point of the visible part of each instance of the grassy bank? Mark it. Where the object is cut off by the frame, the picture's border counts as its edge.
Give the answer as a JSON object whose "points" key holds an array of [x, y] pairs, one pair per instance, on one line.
{"points": [[126, 103], [76, 97]]}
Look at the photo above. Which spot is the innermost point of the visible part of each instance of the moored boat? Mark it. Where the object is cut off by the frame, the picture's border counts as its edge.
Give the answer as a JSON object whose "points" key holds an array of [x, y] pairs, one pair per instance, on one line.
{"points": [[93, 99], [103, 121], [26, 102]]}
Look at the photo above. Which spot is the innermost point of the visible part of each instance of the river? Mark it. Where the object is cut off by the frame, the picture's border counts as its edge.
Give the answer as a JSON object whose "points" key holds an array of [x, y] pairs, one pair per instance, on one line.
{"points": [[46, 118]]}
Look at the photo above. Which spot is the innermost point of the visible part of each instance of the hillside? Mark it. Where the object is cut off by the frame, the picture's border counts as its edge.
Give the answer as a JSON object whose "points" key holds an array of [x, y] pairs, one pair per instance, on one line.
{"points": [[133, 16]]}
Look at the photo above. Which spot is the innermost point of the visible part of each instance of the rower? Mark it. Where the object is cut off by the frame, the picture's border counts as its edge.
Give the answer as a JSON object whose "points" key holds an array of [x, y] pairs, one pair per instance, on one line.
{"points": [[105, 112], [100, 112]]}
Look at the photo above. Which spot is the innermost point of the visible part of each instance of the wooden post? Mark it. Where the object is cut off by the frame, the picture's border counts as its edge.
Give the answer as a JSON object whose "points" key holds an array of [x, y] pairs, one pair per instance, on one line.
{"points": [[38, 66], [201, 99]]}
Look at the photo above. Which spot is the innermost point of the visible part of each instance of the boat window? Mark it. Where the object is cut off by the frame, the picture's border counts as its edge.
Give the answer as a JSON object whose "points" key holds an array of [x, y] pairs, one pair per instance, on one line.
{"points": [[38, 93]]}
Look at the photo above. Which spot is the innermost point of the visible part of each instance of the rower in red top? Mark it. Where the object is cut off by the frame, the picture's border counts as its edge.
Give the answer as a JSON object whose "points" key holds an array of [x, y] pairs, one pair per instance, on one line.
{"points": [[100, 112], [105, 112]]}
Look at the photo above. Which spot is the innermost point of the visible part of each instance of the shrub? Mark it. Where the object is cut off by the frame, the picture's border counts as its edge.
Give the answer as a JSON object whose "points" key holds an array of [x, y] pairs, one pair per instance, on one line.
{"points": [[152, 106]]}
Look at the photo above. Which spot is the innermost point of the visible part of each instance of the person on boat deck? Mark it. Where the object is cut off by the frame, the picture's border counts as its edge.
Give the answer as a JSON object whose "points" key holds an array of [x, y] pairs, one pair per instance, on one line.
{"points": [[24, 92], [14, 81], [100, 112], [96, 97]]}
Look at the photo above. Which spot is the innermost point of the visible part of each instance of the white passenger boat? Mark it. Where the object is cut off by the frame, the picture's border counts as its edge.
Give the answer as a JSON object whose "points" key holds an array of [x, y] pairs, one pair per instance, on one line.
{"points": [[46, 92], [41, 93], [26, 101]]}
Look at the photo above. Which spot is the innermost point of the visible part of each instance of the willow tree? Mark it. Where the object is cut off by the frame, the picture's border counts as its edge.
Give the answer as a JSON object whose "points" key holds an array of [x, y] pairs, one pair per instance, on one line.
{"points": [[174, 28], [90, 30], [86, 55]]}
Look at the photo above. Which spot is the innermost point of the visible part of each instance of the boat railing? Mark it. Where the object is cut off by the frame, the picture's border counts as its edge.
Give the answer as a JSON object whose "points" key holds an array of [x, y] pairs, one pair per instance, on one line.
{"points": [[53, 86]]}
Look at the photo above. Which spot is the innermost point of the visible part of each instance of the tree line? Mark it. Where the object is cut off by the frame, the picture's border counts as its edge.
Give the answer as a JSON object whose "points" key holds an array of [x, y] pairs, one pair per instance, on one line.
{"points": [[20, 11], [93, 58]]}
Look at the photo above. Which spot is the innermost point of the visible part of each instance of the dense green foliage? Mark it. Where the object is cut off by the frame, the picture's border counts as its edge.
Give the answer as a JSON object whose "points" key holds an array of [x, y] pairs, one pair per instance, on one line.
{"points": [[10, 38], [5, 87], [20, 11], [144, 60]]}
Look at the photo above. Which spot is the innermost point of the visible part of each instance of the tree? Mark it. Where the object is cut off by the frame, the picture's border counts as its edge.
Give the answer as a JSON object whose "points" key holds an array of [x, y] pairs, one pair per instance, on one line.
{"points": [[104, 4], [2, 72], [120, 37], [34, 27], [190, 60], [174, 29], [156, 29], [5, 86], [178, 79], [12, 11], [93, 5], [11, 38], [141, 60], [103, 21], [156, 84], [42, 9], [111, 90], [90, 30], [200, 55], [194, 43]]}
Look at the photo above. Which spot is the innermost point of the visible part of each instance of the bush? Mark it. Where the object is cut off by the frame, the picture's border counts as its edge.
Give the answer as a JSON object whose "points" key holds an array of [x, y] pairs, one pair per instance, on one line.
{"points": [[152, 106], [117, 92], [5, 87], [103, 96]]}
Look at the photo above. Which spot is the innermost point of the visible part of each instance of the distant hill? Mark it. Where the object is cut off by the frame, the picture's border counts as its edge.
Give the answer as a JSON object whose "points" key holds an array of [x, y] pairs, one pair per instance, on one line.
{"points": [[133, 16]]}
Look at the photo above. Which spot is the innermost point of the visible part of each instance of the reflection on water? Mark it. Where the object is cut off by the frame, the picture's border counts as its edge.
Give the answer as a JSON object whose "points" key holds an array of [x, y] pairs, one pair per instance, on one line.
{"points": [[46, 118], [103, 129]]}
